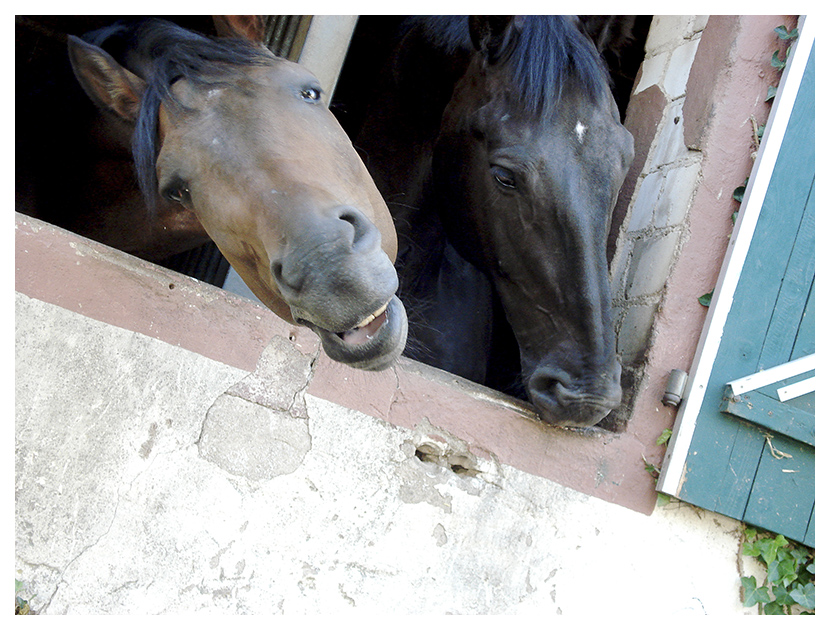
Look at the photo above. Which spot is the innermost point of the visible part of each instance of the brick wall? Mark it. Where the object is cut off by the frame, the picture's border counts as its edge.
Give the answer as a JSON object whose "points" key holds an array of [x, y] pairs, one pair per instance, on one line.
{"points": [[700, 92]]}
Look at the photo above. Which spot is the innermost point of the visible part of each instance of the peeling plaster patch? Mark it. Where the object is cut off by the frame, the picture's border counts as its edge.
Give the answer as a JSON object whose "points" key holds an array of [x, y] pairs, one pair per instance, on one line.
{"points": [[415, 488], [253, 441], [440, 535], [436, 458], [259, 428]]}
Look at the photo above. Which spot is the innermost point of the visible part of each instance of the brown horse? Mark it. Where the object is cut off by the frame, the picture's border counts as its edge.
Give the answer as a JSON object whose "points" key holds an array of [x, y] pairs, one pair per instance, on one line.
{"points": [[232, 142]]}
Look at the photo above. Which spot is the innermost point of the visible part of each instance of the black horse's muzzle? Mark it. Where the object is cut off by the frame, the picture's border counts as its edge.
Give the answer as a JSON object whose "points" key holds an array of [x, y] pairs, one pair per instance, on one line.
{"points": [[568, 401]]}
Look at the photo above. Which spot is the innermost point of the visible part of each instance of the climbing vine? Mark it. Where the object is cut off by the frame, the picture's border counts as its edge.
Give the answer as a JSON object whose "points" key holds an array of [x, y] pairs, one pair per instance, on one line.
{"points": [[791, 575], [779, 63]]}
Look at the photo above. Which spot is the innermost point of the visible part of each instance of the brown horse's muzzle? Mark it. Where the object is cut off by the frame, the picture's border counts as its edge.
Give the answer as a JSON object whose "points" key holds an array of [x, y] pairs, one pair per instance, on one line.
{"points": [[338, 281]]}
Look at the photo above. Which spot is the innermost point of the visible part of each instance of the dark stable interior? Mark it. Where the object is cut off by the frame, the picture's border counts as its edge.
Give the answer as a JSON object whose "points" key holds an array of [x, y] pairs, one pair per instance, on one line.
{"points": [[39, 39]]}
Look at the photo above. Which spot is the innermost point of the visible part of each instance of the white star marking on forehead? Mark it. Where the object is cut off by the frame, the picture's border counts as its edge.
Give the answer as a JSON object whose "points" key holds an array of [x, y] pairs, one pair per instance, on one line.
{"points": [[580, 130]]}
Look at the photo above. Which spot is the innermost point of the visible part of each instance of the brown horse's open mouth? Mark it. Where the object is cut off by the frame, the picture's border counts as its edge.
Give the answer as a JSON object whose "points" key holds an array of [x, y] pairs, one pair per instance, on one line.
{"points": [[367, 329], [374, 344]]}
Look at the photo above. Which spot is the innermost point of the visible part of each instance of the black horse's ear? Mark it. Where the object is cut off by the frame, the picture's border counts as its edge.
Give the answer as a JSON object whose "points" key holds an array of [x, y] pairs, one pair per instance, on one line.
{"points": [[106, 82], [493, 35]]}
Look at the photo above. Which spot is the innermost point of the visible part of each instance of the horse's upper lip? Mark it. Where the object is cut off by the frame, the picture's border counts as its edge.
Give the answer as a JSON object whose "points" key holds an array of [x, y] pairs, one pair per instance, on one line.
{"points": [[369, 319]]}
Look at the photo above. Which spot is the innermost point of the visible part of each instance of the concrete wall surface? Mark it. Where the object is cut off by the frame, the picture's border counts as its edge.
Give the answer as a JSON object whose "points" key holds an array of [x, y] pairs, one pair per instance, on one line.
{"points": [[152, 479]]}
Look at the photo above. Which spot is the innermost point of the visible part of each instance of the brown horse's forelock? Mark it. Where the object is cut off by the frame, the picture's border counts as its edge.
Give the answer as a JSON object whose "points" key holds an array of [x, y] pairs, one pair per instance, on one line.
{"points": [[163, 54]]}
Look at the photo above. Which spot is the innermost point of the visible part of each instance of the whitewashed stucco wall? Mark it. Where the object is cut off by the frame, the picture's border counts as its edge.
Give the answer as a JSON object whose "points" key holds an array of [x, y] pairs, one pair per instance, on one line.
{"points": [[120, 507]]}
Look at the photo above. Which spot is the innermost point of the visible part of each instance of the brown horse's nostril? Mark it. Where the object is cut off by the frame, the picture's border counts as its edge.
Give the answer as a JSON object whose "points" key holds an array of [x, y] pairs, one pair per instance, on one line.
{"points": [[340, 239], [364, 236], [290, 283]]}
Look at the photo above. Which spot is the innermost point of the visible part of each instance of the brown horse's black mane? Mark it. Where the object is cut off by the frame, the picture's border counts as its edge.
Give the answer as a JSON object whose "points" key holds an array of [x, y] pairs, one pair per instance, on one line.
{"points": [[547, 50], [161, 52]]}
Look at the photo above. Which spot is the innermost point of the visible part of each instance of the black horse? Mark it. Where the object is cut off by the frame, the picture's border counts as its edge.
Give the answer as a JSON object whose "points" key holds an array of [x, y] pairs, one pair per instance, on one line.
{"points": [[498, 146]]}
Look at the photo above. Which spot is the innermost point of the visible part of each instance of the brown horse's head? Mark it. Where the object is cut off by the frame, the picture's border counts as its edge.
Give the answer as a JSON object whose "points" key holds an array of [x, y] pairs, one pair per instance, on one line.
{"points": [[244, 140]]}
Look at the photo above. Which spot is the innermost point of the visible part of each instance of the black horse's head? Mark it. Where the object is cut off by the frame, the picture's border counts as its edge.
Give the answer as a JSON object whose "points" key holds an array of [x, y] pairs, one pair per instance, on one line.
{"points": [[526, 171]]}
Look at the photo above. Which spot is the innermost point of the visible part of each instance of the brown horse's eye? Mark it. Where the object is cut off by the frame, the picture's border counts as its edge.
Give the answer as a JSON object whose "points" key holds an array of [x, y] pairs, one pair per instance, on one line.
{"points": [[179, 194], [311, 94]]}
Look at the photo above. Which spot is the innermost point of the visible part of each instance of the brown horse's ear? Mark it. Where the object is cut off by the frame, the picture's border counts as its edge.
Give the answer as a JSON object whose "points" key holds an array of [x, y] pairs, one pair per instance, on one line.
{"points": [[250, 27], [107, 83], [492, 35]]}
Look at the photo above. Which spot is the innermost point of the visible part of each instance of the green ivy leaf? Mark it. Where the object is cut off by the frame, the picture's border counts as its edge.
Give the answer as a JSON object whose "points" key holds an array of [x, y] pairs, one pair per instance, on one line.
{"points": [[705, 299], [777, 62], [738, 193], [663, 499], [800, 555], [784, 34], [769, 549], [782, 572], [782, 595], [754, 594], [771, 90], [774, 608], [805, 595], [665, 436]]}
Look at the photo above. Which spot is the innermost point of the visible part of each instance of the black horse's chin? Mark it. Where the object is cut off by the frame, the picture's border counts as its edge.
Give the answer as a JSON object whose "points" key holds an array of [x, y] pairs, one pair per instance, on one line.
{"points": [[583, 415], [374, 346]]}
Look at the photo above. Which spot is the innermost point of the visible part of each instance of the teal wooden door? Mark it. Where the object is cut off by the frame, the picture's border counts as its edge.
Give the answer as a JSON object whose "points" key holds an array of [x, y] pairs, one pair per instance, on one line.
{"points": [[750, 453]]}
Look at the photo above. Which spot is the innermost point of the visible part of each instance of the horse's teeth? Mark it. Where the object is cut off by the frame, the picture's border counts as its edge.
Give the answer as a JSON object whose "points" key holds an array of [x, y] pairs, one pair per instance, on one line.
{"points": [[373, 316]]}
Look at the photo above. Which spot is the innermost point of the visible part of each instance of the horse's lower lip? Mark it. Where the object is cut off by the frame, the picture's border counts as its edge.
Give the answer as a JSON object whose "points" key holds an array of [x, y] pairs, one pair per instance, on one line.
{"points": [[585, 414], [374, 346]]}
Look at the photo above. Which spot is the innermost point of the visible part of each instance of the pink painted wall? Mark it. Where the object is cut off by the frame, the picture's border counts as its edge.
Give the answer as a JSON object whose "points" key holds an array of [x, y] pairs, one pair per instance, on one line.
{"points": [[727, 85]]}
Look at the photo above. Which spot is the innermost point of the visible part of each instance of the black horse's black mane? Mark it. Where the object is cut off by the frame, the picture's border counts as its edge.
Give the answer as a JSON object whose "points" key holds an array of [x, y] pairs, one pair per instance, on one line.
{"points": [[161, 52], [548, 49]]}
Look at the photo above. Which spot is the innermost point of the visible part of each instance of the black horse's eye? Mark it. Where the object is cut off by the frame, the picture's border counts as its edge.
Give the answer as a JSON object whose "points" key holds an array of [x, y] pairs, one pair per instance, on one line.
{"points": [[311, 94], [504, 177]]}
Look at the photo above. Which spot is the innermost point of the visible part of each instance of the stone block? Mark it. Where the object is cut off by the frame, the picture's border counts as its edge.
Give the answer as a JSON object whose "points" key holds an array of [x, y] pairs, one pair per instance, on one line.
{"points": [[677, 73], [678, 190], [642, 212], [670, 144], [635, 331], [652, 71], [669, 30], [651, 261]]}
